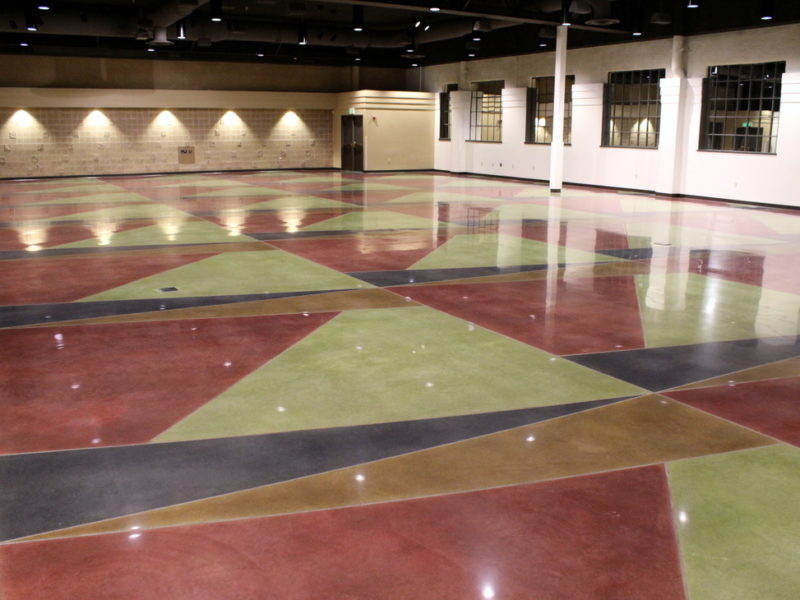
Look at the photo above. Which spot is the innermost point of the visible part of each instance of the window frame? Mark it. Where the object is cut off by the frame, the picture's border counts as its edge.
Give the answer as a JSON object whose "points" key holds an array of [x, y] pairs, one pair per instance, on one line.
{"points": [[533, 114], [727, 120], [638, 81], [486, 106]]}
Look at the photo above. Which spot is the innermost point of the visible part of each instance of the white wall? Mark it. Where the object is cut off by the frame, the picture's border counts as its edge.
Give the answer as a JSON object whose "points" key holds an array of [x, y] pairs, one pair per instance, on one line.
{"points": [[398, 128], [677, 166]]}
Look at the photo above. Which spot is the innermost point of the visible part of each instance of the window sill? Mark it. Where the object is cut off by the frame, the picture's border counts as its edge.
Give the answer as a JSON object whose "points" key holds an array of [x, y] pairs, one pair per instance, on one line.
{"points": [[630, 147], [484, 141], [444, 139], [737, 152], [544, 144]]}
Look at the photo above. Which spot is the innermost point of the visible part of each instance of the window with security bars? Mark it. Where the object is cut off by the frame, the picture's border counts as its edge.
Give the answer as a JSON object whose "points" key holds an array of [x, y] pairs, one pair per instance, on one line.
{"points": [[539, 110], [741, 107], [444, 111], [486, 112], [631, 109]]}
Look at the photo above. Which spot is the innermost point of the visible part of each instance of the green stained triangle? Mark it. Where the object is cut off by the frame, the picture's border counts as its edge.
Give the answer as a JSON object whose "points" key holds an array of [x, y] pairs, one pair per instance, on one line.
{"points": [[783, 223], [738, 523], [318, 179], [413, 176], [393, 364], [371, 220], [686, 308], [250, 190], [69, 181], [539, 211], [304, 202], [543, 191], [129, 211], [235, 273], [499, 250], [99, 198], [367, 187], [436, 197], [643, 204], [86, 188], [208, 182], [189, 232], [678, 236], [480, 183]]}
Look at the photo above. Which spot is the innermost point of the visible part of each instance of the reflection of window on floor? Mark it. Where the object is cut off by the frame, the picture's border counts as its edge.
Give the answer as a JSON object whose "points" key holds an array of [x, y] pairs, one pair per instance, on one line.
{"points": [[486, 112], [482, 219], [631, 109], [539, 110], [741, 107]]}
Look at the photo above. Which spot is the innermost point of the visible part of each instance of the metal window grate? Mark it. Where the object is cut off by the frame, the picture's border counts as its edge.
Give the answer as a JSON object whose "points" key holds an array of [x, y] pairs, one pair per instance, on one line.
{"points": [[631, 109], [486, 112], [539, 110], [741, 107]]}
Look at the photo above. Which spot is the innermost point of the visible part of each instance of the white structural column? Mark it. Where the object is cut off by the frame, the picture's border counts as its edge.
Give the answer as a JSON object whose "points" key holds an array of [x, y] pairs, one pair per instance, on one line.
{"points": [[672, 131], [557, 144]]}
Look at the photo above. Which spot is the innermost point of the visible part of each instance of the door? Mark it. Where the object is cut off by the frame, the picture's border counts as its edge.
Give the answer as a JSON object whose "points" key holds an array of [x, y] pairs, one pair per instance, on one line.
{"points": [[352, 142]]}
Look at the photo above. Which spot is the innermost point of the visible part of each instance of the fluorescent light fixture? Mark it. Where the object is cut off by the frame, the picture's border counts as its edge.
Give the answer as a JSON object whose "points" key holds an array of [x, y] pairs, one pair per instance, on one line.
{"points": [[302, 34], [24, 44], [693, 4], [417, 24], [43, 7], [434, 9], [181, 30]]}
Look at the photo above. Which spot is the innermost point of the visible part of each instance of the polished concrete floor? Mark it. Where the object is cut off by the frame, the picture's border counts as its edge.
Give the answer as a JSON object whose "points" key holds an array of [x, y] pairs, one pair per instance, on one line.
{"points": [[324, 385]]}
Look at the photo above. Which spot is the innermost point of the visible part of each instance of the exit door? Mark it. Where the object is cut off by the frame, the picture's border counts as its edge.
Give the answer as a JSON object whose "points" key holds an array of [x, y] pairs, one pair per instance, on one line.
{"points": [[352, 142]]}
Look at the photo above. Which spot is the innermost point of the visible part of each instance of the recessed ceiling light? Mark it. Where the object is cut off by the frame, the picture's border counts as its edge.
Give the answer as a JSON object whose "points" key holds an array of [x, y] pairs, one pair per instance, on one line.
{"points": [[43, 7], [435, 9], [24, 44]]}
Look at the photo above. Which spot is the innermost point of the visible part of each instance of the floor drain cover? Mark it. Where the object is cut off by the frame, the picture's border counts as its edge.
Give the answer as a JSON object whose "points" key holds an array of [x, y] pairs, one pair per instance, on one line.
{"points": [[168, 289]]}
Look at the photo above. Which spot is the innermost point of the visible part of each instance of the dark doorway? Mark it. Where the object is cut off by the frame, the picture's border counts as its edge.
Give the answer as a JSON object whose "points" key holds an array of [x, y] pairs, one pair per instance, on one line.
{"points": [[352, 142]]}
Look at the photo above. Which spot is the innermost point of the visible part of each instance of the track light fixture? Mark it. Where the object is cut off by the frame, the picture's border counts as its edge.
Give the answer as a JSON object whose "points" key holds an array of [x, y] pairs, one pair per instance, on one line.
{"points": [[565, 20], [32, 20], [216, 10], [767, 10], [358, 18], [637, 18]]}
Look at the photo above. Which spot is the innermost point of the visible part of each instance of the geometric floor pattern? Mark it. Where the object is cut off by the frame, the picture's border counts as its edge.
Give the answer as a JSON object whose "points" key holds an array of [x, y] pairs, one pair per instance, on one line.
{"points": [[414, 385]]}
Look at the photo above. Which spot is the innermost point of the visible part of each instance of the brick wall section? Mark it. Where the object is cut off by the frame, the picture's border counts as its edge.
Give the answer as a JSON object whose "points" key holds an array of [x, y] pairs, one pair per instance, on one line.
{"points": [[71, 141]]}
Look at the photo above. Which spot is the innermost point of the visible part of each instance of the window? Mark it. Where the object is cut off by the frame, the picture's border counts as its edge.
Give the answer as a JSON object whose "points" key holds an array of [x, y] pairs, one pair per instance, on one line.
{"points": [[631, 109], [741, 106], [539, 110], [444, 111], [486, 112]]}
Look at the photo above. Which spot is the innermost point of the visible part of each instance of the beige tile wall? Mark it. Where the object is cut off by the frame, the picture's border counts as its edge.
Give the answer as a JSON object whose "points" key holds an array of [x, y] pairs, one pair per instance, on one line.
{"points": [[71, 141]]}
